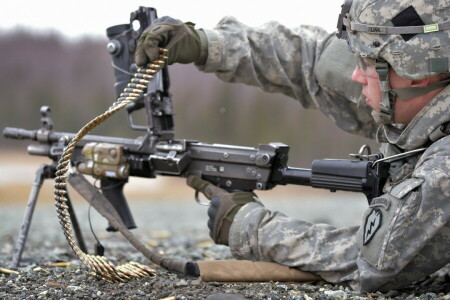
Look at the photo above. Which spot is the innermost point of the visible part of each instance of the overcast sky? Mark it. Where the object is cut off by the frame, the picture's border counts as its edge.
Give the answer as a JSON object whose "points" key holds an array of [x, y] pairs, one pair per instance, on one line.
{"points": [[78, 18]]}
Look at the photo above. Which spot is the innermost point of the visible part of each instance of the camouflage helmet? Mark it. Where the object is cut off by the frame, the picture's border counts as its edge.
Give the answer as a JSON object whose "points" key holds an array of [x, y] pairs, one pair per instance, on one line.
{"points": [[410, 36], [413, 36]]}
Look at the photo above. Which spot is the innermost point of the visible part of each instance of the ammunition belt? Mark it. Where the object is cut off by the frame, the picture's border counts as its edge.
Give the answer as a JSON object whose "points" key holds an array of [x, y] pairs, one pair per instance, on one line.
{"points": [[100, 265]]}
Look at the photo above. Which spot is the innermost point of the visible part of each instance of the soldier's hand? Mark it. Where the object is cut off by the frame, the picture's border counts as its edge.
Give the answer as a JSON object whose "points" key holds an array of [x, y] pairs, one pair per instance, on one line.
{"points": [[182, 40], [224, 207]]}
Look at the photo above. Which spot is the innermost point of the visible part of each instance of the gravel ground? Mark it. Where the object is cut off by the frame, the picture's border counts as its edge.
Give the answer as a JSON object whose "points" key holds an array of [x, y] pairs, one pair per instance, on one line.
{"points": [[174, 228]]}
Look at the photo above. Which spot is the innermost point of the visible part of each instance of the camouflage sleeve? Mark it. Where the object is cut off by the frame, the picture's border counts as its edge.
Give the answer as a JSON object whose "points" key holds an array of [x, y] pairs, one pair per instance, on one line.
{"points": [[404, 235], [262, 235], [406, 232], [305, 63]]}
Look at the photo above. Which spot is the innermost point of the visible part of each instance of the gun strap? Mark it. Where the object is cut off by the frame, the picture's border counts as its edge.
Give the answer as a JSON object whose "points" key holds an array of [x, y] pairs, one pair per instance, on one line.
{"points": [[101, 204]]}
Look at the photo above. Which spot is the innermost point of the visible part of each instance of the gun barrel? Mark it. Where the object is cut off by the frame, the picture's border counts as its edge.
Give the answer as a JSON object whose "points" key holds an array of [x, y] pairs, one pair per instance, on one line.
{"points": [[19, 133], [40, 135], [45, 136]]}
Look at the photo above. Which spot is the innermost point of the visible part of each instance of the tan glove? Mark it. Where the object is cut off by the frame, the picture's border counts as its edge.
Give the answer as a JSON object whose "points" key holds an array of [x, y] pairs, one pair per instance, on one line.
{"points": [[184, 42], [224, 207]]}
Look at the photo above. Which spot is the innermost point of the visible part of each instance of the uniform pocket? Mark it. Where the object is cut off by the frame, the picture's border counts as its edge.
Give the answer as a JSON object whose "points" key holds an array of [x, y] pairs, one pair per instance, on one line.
{"points": [[385, 224]]}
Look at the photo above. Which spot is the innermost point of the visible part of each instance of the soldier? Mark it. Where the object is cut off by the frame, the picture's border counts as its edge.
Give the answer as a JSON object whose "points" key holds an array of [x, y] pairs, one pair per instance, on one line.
{"points": [[402, 56]]}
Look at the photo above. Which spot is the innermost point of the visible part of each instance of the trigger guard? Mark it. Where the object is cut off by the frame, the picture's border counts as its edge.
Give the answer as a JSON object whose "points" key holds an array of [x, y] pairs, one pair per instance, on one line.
{"points": [[199, 202]]}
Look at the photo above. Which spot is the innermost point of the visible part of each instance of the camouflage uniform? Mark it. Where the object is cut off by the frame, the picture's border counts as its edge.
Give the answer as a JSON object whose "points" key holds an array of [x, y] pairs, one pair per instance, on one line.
{"points": [[405, 233]]}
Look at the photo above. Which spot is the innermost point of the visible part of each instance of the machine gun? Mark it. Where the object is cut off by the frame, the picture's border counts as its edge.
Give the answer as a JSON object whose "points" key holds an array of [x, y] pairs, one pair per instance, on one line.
{"points": [[158, 153]]}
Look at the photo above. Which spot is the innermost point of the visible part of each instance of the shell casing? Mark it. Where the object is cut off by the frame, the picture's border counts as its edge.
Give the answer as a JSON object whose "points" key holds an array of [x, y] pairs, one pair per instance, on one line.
{"points": [[153, 66], [61, 205], [143, 76], [94, 265], [163, 50], [145, 71], [69, 151], [127, 99], [61, 172], [83, 131], [63, 165], [130, 90], [130, 268], [138, 80], [60, 192], [71, 144], [137, 86], [124, 103], [160, 63], [129, 95], [63, 221], [65, 213], [143, 267], [59, 264], [60, 185], [137, 271], [60, 178], [7, 271], [59, 198]]}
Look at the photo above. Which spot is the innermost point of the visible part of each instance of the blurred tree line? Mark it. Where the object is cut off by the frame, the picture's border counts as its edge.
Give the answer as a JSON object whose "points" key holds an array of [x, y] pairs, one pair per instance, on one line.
{"points": [[76, 80]]}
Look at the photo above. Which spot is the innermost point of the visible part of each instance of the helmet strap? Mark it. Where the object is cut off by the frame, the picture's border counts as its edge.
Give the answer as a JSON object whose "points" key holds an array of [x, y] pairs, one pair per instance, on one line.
{"points": [[410, 92], [386, 114], [390, 96]]}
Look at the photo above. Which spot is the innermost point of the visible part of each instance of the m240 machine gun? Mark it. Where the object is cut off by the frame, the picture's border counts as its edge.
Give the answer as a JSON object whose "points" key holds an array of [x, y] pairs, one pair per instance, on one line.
{"points": [[157, 152]]}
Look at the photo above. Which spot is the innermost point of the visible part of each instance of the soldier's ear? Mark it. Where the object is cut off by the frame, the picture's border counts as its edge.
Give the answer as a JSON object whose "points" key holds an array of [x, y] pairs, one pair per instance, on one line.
{"points": [[420, 82]]}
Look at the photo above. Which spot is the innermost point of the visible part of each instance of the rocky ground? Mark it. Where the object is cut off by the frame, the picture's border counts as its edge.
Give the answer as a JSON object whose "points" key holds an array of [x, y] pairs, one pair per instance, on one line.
{"points": [[49, 269]]}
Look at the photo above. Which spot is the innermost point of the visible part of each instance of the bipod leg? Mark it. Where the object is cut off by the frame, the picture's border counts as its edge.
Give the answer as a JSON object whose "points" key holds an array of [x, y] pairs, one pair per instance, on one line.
{"points": [[76, 226], [22, 238], [43, 172]]}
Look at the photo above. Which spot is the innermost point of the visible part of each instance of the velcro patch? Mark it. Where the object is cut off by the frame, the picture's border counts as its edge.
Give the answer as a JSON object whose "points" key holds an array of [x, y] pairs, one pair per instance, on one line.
{"points": [[407, 17], [439, 64]]}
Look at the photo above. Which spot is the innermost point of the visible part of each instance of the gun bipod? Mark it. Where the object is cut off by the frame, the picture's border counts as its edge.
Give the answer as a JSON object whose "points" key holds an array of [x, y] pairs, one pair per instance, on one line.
{"points": [[45, 171]]}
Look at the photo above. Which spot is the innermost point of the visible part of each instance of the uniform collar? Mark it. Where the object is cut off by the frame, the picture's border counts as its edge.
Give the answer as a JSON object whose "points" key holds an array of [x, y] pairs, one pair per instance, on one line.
{"points": [[416, 134]]}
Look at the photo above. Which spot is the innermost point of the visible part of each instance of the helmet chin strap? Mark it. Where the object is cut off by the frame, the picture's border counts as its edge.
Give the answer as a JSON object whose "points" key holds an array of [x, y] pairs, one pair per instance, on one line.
{"points": [[390, 96], [386, 113]]}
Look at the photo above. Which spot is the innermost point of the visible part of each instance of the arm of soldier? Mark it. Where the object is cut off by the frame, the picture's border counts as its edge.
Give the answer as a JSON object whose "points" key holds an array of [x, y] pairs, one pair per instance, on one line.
{"points": [[406, 232], [271, 57], [403, 238], [263, 235], [305, 63]]}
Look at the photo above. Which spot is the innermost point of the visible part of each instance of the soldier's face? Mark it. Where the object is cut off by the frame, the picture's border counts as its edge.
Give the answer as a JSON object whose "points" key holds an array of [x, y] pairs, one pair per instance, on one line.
{"points": [[366, 75], [405, 109]]}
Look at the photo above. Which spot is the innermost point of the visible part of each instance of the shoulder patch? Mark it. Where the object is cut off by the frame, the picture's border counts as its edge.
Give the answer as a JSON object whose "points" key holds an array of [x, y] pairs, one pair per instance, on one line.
{"points": [[372, 224]]}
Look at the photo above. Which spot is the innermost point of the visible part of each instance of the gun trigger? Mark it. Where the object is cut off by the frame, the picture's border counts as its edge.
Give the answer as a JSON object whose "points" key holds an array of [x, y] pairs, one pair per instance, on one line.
{"points": [[197, 199]]}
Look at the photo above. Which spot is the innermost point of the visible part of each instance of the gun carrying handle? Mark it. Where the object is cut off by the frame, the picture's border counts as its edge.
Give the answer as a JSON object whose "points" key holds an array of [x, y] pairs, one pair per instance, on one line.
{"points": [[113, 191]]}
